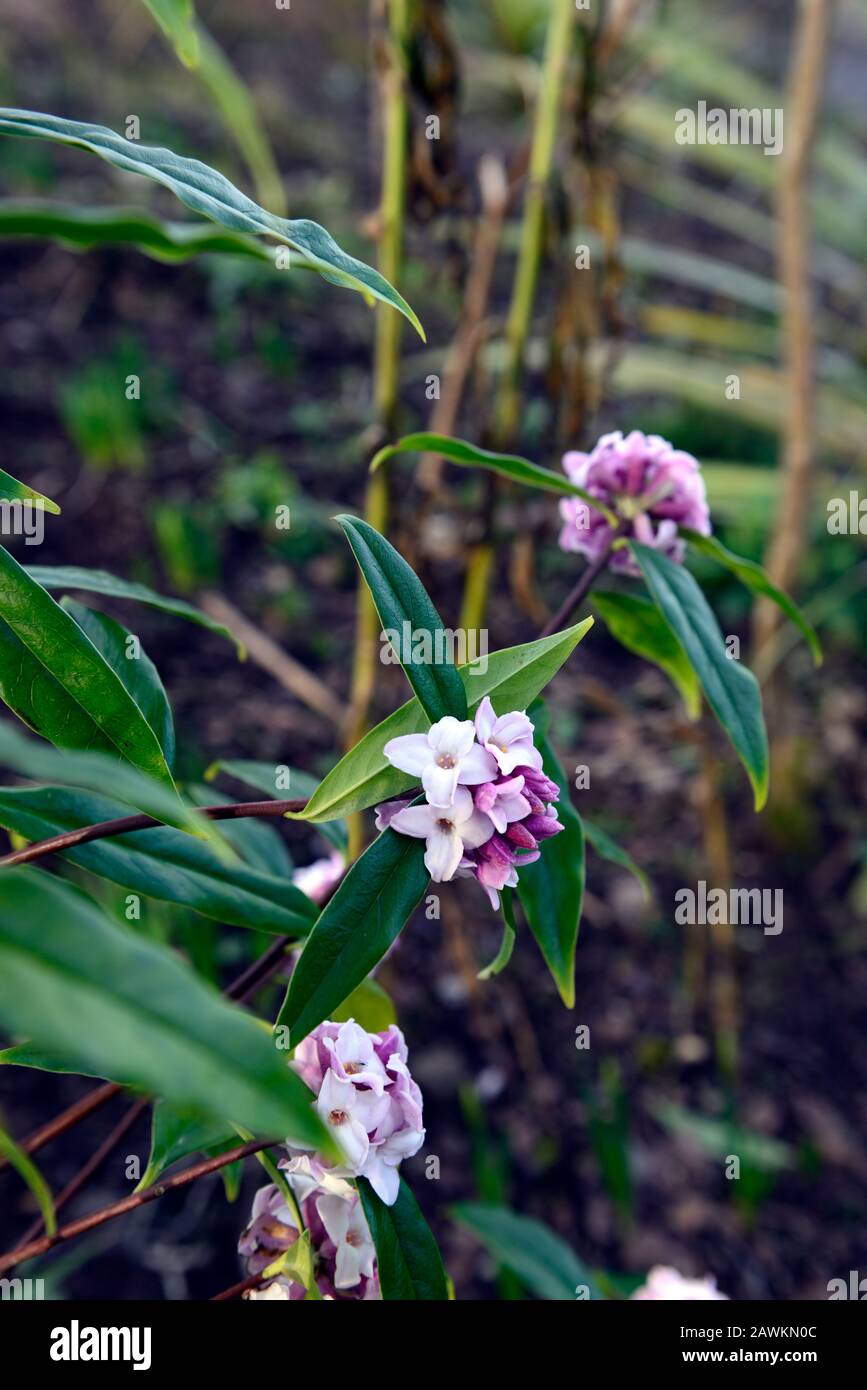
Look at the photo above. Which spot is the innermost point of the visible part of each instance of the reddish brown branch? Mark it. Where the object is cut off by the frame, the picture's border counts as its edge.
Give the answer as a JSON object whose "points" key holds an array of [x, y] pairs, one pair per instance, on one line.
{"points": [[237, 1290]]}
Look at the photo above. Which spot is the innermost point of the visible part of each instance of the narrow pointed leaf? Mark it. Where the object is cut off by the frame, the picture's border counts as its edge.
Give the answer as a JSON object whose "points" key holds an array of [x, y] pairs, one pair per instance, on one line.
{"points": [[551, 891], [208, 192], [133, 666], [755, 579], [89, 229], [53, 678], [541, 1259], [409, 1261], [732, 691], [518, 470], [103, 997], [405, 609], [100, 582], [609, 849], [507, 945], [512, 678], [30, 1174], [639, 626], [177, 19], [161, 863], [178, 1131], [354, 930], [13, 491]]}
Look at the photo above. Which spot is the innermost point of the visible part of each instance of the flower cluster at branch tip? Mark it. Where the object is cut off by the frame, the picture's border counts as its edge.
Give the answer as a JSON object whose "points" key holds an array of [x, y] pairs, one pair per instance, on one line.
{"points": [[664, 1284], [489, 804], [368, 1099], [647, 483], [343, 1256]]}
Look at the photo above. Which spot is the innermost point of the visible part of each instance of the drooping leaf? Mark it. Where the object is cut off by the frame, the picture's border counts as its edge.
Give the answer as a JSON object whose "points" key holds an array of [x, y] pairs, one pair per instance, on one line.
{"points": [[106, 999], [551, 891], [732, 691], [639, 626], [354, 930], [161, 862], [100, 582], [512, 678], [607, 848], [208, 192], [405, 609], [95, 772], [539, 1257], [178, 1131], [13, 491], [53, 678], [88, 229], [133, 666], [518, 470], [409, 1261], [30, 1174], [755, 579]]}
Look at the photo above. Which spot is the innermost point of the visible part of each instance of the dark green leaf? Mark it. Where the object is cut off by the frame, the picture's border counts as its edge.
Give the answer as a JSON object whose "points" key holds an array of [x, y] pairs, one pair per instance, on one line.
{"points": [[406, 611], [161, 863], [551, 891], [732, 691], [410, 1264], [178, 1131], [640, 627], [519, 470], [206, 191], [354, 930], [100, 582], [105, 999], [755, 579], [126, 657], [86, 229]]}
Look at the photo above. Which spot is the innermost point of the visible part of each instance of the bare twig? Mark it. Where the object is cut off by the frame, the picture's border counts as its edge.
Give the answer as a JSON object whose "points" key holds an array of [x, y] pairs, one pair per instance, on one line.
{"points": [[585, 583], [236, 1290]]}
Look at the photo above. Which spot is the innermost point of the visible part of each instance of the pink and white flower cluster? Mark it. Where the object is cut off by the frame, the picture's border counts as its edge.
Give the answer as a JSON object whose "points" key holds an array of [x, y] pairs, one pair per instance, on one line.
{"points": [[489, 804], [340, 1244], [666, 1285], [647, 483], [367, 1098]]}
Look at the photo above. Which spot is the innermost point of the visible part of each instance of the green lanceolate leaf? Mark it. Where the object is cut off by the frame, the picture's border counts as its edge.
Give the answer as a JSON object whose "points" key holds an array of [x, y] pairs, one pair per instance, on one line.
{"points": [[178, 1131], [13, 491], [755, 579], [162, 863], [512, 678], [507, 945], [354, 930], [177, 19], [111, 1002], [551, 891], [100, 582], [410, 1264], [125, 656], [53, 678], [30, 1174], [518, 470], [609, 849], [639, 626], [26, 1055], [410, 620], [89, 229], [370, 1006], [95, 772], [264, 777], [207, 192], [539, 1257], [732, 691]]}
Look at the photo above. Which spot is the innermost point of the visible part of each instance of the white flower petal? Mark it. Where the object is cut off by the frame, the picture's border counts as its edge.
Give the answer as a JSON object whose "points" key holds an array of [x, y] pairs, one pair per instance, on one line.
{"points": [[476, 830], [411, 753], [485, 720], [478, 766], [439, 784], [452, 736], [417, 821], [445, 851]]}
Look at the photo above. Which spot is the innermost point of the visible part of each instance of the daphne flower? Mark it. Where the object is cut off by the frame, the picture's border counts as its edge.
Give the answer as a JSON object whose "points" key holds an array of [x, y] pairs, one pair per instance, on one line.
{"points": [[319, 879], [665, 1284], [280, 1291], [647, 483], [271, 1231], [351, 1114], [449, 831], [346, 1226], [353, 1058], [502, 801], [509, 739], [444, 758]]}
